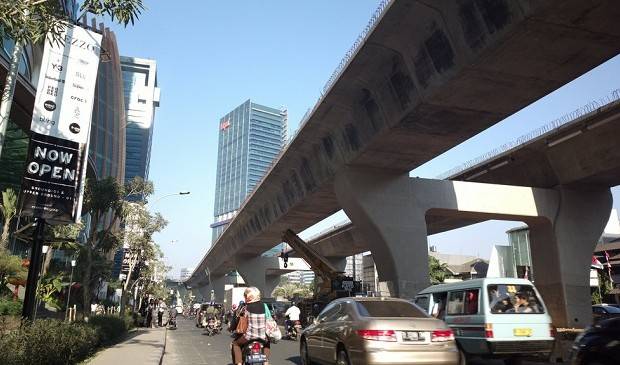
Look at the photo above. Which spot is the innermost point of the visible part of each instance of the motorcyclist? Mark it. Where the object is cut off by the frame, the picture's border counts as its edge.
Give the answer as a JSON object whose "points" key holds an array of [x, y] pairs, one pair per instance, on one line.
{"points": [[173, 316], [256, 330], [292, 315]]}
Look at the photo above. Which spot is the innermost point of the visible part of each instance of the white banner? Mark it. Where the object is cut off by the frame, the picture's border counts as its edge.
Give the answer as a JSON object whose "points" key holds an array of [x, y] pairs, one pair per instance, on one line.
{"points": [[52, 186], [66, 88]]}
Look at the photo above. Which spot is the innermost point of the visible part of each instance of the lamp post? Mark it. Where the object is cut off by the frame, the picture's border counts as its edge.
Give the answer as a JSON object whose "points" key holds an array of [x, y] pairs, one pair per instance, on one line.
{"points": [[73, 263], [173, 194]]}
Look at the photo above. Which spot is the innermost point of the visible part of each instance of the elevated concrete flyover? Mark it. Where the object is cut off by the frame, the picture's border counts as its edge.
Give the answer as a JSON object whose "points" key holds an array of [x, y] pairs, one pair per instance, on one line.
{"points": [[582, 154], [428, 76]]}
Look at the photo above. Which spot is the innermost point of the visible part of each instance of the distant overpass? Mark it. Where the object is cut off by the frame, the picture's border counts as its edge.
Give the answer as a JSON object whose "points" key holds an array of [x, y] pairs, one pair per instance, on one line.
{"points": [[583, 154], [427, 77]]}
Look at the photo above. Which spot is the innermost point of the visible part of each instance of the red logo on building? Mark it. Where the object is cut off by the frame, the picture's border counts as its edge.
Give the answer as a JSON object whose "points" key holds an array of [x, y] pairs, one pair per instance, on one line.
{"points": [[224, 125]]}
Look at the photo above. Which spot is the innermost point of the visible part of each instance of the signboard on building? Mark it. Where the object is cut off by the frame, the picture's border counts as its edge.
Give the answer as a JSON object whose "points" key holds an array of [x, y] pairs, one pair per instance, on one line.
{"points": [[53, 182]]}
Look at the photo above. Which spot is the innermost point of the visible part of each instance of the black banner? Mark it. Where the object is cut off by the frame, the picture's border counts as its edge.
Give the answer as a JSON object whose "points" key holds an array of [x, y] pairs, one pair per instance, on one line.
{"points": [[50, 186]]}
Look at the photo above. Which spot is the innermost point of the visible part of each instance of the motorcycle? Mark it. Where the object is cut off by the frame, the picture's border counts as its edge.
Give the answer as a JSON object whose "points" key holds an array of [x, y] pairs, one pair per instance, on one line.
{"points": [[254, 353], [213, 327], [293, 330], [172, 323]]}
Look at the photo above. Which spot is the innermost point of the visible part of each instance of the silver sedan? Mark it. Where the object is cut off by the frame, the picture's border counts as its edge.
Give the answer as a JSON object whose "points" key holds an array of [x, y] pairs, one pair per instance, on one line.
{"points": [[385, 331]]}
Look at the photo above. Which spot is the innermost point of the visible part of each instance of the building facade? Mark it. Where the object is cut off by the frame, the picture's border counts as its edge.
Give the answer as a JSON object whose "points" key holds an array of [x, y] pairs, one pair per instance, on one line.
{"points": [[186, 272], [107, 133], [300, 277], [251, 136], [141, 97]]}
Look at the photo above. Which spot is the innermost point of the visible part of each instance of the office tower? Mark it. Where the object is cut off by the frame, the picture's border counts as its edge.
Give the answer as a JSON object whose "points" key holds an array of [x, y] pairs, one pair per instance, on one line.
{"points": [[251, 136], [141, 99]]}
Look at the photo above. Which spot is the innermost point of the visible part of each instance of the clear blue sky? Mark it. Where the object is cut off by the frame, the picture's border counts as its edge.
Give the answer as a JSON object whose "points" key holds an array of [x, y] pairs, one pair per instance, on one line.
{"points": [[213, 55]]}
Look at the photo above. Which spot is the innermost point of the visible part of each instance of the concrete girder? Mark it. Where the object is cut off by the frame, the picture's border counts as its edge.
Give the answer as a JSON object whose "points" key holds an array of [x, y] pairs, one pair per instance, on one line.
{"points": [[391, 210], [255, 273]]}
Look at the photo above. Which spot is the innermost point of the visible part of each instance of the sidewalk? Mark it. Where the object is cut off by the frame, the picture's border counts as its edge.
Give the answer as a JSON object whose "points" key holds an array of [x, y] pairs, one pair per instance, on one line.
{"points": [[142, 347]]}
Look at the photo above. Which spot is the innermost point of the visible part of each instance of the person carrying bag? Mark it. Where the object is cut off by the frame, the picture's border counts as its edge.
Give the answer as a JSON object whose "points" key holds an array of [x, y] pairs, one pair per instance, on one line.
{"points": [[271, 328]]}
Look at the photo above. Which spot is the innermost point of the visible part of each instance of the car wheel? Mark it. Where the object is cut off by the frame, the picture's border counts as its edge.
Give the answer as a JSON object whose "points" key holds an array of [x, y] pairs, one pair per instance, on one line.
{"points": [[343, 358], [303, 353], [463, 359]]}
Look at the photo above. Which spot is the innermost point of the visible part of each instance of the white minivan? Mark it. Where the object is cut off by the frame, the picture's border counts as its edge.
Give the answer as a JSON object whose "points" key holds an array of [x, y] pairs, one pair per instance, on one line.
{"points": [[493, 317]]}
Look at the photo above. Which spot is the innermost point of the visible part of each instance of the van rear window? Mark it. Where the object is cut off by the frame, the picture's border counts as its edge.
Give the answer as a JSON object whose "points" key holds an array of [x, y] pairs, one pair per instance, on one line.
{"points": [[511, 299]]}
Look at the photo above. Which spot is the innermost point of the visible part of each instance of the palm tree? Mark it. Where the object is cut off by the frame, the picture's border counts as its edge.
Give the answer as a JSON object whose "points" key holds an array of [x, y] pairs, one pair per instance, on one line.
{"points": [[8, 210]]}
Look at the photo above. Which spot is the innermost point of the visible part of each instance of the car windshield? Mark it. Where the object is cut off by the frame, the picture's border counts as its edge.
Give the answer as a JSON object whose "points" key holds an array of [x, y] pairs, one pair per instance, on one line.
{"points": [[389, 309], [513, 299]]}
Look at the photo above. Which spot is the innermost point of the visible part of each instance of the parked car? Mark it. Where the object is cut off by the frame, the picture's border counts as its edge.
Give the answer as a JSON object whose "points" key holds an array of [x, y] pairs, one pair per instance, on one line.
{"points": [[598, 345], [503, 318], [377, 331], [603, 311]]}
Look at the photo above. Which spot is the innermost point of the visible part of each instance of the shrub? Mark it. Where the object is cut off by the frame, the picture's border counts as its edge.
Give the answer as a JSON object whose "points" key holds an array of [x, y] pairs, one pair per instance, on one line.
{"points": [[48, 341], [110, 328], [10, 308]]}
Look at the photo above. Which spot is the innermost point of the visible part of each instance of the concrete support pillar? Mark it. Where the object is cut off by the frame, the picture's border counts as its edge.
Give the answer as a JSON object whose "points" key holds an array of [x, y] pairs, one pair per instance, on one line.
{"points": [[380, 206], [561, 249], [255, 272], [217, 286]]}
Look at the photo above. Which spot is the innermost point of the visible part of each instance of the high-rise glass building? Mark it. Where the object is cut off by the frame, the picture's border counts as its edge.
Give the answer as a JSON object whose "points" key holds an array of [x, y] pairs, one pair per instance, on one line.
{"points": [[107, 135], [141, 98], [251, 136]]}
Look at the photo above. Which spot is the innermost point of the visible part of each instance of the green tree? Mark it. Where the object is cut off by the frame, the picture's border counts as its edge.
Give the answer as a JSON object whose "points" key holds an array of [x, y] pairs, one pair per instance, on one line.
{"points": [[8, 210], [29, 21], [10, 268], [140, 226], [437, 271], [290, 290], [106, 201]]}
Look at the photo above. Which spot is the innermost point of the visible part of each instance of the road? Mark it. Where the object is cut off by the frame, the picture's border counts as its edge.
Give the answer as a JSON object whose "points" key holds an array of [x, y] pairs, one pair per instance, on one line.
{"points": [[188, 345]]}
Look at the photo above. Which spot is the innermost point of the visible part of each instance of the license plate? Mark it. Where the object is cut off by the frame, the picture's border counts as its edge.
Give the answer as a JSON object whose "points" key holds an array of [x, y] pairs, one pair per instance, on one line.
{"points": [[256, 359], [412, 336], [522, 332]]}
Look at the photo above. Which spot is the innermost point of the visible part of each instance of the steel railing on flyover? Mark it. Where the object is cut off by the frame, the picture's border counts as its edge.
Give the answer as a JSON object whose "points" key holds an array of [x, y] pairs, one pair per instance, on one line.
{"points": [[549, 127]]}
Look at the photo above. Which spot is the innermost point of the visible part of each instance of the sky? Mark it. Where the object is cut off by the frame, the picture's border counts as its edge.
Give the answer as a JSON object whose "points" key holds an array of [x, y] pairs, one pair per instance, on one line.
{"points": [[213, 55]]}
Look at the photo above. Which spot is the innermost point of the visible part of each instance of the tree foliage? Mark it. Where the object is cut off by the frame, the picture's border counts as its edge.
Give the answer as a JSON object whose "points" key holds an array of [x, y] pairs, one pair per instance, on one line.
{"points": [[437, 271], [292, 291], [28, 21]]}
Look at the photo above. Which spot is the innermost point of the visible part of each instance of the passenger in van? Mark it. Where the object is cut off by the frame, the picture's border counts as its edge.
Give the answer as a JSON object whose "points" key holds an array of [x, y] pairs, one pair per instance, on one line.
{"points": [[439, 310], [503, 306], [522, 303]]}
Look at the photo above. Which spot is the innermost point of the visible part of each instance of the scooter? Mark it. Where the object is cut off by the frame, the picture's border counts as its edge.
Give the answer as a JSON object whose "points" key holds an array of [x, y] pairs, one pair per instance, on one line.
{"points": [[172, 323], [213, 327], [254, 353], [293, 330]]}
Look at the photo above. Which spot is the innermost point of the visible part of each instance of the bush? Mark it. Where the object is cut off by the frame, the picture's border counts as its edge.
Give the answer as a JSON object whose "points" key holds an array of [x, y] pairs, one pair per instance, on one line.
{"points": [[10, 308], [110, 328], [48, 341]]}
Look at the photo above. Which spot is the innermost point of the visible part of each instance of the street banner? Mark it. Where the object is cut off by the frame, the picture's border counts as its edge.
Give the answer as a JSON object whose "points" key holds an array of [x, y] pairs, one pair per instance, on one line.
{"points": [[53, 183]]}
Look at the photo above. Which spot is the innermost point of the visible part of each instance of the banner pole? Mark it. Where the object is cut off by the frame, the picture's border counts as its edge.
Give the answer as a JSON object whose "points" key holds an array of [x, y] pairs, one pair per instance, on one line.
{"points": [[33, 270]]}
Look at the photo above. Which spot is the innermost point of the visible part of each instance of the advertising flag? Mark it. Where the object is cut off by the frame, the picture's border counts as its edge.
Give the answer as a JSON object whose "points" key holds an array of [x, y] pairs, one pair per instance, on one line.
{"points": [[53, 182]]}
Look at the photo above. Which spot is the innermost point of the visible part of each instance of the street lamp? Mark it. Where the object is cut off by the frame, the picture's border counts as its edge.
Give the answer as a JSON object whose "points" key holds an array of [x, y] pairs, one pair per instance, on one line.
{"points": [[73, 263], [173, 194]]}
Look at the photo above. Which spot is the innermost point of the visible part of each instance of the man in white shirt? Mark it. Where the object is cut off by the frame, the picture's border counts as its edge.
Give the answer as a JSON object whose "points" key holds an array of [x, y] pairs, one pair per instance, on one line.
{"points": [[292, 313]]}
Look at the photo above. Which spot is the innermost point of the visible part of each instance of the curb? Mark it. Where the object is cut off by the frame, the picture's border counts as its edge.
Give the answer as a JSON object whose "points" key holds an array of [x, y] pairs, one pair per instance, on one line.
{"points": [[163, 350]]}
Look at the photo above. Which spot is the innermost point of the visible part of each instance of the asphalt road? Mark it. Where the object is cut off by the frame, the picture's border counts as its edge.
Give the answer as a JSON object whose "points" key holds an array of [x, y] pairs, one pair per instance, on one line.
{"points": [[188, 345]]}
